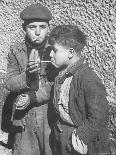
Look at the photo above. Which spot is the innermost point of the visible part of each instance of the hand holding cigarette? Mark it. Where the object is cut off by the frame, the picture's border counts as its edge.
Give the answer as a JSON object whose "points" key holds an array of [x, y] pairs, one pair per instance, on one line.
{"points": [[35, 64]]}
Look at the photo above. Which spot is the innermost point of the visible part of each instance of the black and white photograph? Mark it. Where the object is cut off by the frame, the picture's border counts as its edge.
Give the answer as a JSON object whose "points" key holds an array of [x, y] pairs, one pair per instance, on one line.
{"points": [[57, 77]]}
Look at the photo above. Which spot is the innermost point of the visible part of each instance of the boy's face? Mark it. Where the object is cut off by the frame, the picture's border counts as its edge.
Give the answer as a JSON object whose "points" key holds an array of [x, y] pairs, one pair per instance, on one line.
{"points": [[59, 55], [37, 31]]}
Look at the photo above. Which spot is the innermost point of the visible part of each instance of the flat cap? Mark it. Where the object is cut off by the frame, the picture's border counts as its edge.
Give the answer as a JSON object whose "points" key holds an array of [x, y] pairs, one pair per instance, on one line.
{"points": [[36, 11]]}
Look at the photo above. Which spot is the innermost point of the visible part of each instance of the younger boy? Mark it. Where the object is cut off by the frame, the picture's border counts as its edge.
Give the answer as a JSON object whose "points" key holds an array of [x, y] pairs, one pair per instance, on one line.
{"points": [[79, 98]]}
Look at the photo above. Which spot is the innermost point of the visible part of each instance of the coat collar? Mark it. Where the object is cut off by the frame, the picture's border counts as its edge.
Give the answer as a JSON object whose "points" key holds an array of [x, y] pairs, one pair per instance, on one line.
{"points": [[70, 71]]}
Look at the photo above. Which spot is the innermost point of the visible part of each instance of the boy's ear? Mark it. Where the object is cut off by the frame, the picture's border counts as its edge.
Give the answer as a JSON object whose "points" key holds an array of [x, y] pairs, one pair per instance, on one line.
{"points": [[71, 53]]}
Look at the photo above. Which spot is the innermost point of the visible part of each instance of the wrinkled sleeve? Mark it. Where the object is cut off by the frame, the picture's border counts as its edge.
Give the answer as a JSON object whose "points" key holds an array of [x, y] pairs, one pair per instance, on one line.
{"points": [[41, 96], [18, 80], [43, 93], [97, 111], [15, 81]]}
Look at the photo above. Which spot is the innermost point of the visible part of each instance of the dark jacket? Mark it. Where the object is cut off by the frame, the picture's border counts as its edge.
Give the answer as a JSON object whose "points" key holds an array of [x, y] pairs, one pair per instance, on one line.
{"points": [[88, 106]]}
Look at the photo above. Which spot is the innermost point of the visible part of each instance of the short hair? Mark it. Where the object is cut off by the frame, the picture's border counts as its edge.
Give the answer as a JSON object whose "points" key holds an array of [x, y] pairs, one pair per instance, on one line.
{"points": [[69, 36]]}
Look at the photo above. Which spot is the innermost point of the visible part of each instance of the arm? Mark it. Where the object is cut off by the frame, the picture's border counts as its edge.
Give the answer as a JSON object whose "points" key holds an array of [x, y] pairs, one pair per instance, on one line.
{"points": [[97, 110], [32, 96], [15, 80], [42, 94], [18, 80]]}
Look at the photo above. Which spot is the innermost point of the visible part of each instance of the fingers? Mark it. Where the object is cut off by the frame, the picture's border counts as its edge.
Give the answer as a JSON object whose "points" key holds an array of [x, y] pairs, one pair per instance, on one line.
{"points": [[32, 64], [22, 101], [36, 70], [33, 67], [34, 56]]}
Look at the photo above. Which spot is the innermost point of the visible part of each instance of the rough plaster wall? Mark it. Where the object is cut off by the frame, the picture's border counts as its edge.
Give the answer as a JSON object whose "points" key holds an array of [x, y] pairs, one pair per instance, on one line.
{"points": [[97, 18]]}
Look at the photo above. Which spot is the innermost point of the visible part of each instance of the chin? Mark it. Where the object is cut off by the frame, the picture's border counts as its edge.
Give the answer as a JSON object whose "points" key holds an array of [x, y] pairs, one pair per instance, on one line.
{"points": [[57, 66], [38, 42]]}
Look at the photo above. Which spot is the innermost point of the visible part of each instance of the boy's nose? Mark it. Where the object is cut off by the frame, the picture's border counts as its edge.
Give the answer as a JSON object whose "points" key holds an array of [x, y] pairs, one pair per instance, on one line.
{"points": [[37, 31], [51, 53]]}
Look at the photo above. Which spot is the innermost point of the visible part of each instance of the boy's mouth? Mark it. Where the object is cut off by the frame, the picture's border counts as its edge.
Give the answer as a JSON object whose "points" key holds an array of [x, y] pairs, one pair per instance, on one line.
{"points": [[53, 63], [52, 60], [37, 39]]}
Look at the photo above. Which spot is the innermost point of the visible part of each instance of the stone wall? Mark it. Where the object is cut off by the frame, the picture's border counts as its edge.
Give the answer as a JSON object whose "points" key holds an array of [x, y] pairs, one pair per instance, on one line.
{"points": [[97, 18]]}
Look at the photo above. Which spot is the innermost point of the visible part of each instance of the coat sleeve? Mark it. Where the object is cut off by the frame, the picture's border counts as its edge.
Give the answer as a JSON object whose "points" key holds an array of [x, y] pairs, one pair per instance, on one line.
{"points": [[43, 93], [15, 80], [97, 111], [18, 80]]}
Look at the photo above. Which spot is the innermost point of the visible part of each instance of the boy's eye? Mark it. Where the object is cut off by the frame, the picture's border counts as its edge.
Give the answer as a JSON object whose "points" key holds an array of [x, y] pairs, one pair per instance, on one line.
{"points": [[43, 26], [31, 27]]}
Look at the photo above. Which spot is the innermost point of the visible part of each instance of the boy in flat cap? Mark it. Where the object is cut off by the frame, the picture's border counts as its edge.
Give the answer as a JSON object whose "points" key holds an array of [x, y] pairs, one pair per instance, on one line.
{"points": [[28, 84], [80, 102]]}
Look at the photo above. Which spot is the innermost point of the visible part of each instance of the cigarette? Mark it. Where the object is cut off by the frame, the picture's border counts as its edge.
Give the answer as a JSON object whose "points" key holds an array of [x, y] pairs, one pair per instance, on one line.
{"points": [[45, 61]]}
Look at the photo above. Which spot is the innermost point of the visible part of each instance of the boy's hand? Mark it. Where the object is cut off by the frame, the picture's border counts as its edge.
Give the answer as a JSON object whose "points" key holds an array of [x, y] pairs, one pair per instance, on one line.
{"points": [[33, 67], [22, 101], [34, 62]]}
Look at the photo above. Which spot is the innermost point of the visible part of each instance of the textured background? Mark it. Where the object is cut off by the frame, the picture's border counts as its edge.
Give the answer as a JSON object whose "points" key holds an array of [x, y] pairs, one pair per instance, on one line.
{"points": [[97, 18]]}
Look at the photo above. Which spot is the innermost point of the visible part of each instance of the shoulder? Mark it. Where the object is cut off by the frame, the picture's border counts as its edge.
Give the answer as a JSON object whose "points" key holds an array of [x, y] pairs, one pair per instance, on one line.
{"points": [[85, 72], [88, 74], [91, 81], [88, 77], [17, 47]]}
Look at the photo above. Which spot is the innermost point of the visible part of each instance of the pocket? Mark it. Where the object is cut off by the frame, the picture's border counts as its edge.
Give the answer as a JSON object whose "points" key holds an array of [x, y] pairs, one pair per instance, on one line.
{"points": [[102, 145]]}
